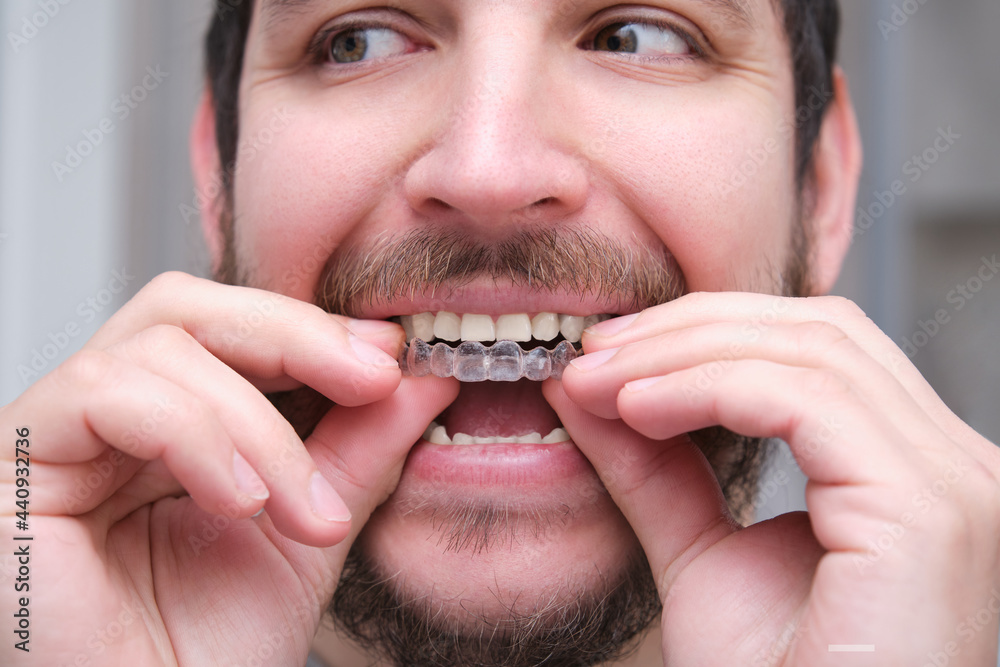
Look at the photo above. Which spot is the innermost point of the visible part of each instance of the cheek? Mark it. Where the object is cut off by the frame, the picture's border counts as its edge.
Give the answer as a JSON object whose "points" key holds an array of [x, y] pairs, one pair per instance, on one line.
{"points": [[300, 194], [718, 190]]}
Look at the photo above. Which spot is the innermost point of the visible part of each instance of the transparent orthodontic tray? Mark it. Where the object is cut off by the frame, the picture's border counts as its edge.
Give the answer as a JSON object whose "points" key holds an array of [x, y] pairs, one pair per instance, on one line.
{"points": [[504, 361]]}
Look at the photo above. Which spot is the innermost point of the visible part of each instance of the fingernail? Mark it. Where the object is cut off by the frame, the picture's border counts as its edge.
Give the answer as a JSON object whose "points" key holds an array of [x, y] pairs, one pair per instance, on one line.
{"points": [[612, 326], [638, 385], [370, 327], [368, 353], [247, 479], [326, 503], [591, 361]]}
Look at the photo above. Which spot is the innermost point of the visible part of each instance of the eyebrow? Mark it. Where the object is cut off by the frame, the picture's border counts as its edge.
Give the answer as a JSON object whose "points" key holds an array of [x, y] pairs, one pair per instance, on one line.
{"points": [[278, 11], [275, 12], [738, 11]]}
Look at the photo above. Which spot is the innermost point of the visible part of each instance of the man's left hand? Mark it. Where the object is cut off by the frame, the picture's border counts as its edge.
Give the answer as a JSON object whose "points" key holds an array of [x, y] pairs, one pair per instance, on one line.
{"points": [[899, 549]]}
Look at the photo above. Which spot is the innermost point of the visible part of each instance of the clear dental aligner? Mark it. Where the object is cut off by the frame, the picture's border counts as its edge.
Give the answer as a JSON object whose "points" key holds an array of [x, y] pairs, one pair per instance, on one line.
{"points": [[505, 360], [471, 361]]}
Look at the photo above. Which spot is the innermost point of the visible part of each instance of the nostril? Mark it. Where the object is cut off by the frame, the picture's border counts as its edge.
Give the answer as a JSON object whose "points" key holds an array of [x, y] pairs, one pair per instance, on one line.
{"points": [[438, 205]]}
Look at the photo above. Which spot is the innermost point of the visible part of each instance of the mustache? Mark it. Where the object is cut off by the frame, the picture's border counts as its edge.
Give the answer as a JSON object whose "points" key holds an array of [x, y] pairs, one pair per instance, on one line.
{"points": [[635, 276]]}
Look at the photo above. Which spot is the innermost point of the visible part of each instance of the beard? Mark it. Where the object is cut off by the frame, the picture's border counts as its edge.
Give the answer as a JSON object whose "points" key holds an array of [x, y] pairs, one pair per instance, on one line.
{"points": [[584, 628], [598, 622]]}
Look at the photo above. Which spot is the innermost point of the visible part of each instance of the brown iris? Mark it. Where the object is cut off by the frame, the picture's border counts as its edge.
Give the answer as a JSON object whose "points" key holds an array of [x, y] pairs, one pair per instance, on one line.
{"points": [[619, 37], [349, 46]]}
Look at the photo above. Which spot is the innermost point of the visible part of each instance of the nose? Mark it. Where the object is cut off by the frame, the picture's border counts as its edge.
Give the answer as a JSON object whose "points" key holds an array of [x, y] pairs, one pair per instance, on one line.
{"points": [[498, 153]]}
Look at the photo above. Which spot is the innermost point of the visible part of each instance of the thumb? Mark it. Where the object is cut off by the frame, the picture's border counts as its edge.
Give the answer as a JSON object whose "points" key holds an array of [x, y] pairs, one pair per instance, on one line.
{"points": [[361, 450], [665, 489]]}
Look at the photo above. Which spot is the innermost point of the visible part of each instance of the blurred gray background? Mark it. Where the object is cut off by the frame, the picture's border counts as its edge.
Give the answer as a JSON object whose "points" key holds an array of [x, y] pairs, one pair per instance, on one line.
{"points": [[75, 243]]}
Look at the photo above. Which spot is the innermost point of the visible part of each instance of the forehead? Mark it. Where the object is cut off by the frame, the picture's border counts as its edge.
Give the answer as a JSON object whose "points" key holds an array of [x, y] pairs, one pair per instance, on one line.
{"points": [[745, 14]]}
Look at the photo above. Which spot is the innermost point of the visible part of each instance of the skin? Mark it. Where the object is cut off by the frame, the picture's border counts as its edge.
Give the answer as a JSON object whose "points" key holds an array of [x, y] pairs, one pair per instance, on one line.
{"points": [[495, 110]]}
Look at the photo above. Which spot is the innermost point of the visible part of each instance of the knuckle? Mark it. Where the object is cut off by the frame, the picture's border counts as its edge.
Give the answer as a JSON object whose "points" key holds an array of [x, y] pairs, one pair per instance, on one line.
{"points": [[819, 338], [87, 368], [341, 470], [959, 493], [189, 409], [982, 491], [821, 333], [160, 337], [822, 384], [168, 282]]}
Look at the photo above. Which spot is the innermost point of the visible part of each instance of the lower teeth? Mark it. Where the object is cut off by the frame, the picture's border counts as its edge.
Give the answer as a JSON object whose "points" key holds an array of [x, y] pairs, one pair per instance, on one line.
{"points": [[504, 361], [437, 435]]}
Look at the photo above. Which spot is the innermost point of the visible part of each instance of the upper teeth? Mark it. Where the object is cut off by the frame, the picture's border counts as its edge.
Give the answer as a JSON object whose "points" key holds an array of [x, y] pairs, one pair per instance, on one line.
{"points": [[436, 434], [516, 326]]}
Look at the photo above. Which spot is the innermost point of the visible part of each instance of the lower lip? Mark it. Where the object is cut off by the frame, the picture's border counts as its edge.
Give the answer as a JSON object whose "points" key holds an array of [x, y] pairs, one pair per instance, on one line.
{"points": [[497, 465]]}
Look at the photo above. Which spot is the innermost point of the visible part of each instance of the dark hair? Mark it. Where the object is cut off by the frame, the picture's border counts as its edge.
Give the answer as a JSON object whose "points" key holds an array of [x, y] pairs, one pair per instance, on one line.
{"points": [[812, 27]]}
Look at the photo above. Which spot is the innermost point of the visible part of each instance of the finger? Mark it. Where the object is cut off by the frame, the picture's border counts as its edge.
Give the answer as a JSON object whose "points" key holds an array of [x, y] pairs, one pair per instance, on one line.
{"points": [[835, 437], [758, 313], [276, 342], [262, 435], [105, 402], [362, 450], [594, 381], [666, 489]]}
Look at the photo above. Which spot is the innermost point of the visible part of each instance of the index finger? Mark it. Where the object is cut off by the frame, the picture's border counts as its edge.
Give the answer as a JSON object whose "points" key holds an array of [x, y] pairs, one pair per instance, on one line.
{"points": [[276, 342], [758, 313]]}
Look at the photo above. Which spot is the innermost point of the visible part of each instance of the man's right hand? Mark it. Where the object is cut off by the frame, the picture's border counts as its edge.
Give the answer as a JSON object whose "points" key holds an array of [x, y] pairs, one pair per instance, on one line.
{"points": [[152, 447]]}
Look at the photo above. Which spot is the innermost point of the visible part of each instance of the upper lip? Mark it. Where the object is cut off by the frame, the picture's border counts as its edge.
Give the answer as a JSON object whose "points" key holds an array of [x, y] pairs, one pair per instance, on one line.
{"points": [[494, 300]]}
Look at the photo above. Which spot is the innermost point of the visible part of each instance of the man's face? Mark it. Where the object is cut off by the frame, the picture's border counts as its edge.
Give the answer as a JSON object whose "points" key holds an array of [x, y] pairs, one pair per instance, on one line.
{"points": [[450, 149]]}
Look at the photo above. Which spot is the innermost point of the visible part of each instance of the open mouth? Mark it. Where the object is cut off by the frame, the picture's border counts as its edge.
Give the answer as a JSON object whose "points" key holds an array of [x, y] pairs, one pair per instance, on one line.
{"points": [[498, 436], [521, 345], [500, 432]]}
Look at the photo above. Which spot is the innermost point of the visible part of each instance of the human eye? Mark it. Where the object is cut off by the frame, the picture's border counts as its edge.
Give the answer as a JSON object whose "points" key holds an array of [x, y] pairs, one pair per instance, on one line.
{"points": [[347, 45], [649, 39]]}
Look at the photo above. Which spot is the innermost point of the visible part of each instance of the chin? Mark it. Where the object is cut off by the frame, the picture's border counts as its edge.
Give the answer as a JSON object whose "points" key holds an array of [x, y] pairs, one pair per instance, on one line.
{"points": [[475, 559]]}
